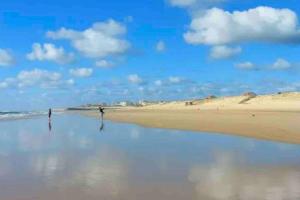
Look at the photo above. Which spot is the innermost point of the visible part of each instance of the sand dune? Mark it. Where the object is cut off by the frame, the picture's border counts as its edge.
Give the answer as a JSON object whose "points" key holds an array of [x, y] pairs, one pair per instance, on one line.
{"points": [[270, 117], [278, 102]]}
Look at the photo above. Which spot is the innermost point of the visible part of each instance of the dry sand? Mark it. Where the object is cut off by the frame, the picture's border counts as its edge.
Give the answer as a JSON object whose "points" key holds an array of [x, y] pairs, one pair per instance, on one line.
{"points": [[271, 117]]}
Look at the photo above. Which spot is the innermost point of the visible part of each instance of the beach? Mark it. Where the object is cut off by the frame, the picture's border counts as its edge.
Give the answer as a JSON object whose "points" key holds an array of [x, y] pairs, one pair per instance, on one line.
{"points": [[270, 117], [86, 158]]}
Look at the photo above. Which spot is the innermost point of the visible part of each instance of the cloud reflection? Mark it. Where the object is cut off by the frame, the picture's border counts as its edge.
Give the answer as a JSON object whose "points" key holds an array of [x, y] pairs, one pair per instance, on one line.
{"points": [[228, 179], [105, 173], [101, 174], [135, 133], [47, 166]]}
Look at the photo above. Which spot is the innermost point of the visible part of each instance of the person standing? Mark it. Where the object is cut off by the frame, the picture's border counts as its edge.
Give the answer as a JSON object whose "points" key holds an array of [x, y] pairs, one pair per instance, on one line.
{"points": [[49, 114]]}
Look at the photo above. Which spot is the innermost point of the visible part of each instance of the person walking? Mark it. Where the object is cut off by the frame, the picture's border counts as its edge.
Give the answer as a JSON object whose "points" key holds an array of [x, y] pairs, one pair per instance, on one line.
{"points": [[101, 110]]}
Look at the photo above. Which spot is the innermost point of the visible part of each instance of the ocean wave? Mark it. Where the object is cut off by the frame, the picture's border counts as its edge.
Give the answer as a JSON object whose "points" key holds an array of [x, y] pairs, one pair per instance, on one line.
{"points": [[20, 115]]}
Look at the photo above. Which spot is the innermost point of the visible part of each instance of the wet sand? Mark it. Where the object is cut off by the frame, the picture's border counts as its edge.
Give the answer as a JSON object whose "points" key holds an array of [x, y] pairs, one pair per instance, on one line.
{"points": [[78, 160], [283, 126]]}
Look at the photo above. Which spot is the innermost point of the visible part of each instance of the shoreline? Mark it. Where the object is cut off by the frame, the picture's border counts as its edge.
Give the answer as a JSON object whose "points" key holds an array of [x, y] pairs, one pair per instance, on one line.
{"points": [[274, 125]]}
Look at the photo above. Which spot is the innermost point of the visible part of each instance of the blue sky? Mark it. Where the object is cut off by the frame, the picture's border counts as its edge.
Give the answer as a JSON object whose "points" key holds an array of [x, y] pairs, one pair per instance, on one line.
{"points": [[60, 53]]}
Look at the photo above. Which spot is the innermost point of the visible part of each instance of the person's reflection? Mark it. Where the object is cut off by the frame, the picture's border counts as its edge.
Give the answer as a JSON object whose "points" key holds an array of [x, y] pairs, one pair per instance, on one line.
{"points": [[50, 126], [101, 126]]}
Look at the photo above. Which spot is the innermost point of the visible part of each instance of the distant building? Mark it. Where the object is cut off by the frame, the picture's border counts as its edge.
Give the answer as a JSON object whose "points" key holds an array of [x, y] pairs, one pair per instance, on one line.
{"points": [[143, 103], [125, 103]]}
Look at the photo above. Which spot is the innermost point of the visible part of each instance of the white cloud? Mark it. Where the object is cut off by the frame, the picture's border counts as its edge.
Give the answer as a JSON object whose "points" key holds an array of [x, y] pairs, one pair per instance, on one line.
{"points": [[101, 40], [3, 85], [160, 46], [281, 64], [6, 59], [81, 72], [36, 77], [189, 3], [182, 3], [70, 82], [134, 78], [175, 79], [49, 52], [245, 65], [224, 52], [158, 83], [104, 64], [263, 24]]}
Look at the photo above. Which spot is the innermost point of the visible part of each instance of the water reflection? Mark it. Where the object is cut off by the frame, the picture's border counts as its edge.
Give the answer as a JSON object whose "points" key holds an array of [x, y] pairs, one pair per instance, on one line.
{"points": [[132, 162], [101, 126], [228, 179], [49, 126], [47, 166], [103, 174]]}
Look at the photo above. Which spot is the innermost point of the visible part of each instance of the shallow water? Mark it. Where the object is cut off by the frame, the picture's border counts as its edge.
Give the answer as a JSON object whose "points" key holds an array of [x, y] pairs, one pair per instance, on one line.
{"points": [[80, 159], [20, 115]]}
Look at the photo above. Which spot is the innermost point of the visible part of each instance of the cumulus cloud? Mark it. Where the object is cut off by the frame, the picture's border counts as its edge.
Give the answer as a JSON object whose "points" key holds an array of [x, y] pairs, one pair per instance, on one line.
{"points": [[261, 24], [224, 52], [36, 77], [135, 79], [29, 78], [81, 72], [160, 46], [189, 3], [281, 64], [49, 52], [245, 65], [182, 3], [104, 63], [175, 79], [101, 40], [6, 59]]}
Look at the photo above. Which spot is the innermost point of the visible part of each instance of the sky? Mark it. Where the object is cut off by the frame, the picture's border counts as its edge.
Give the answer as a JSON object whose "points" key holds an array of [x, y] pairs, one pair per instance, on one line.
{"points": [[62, 53]]}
